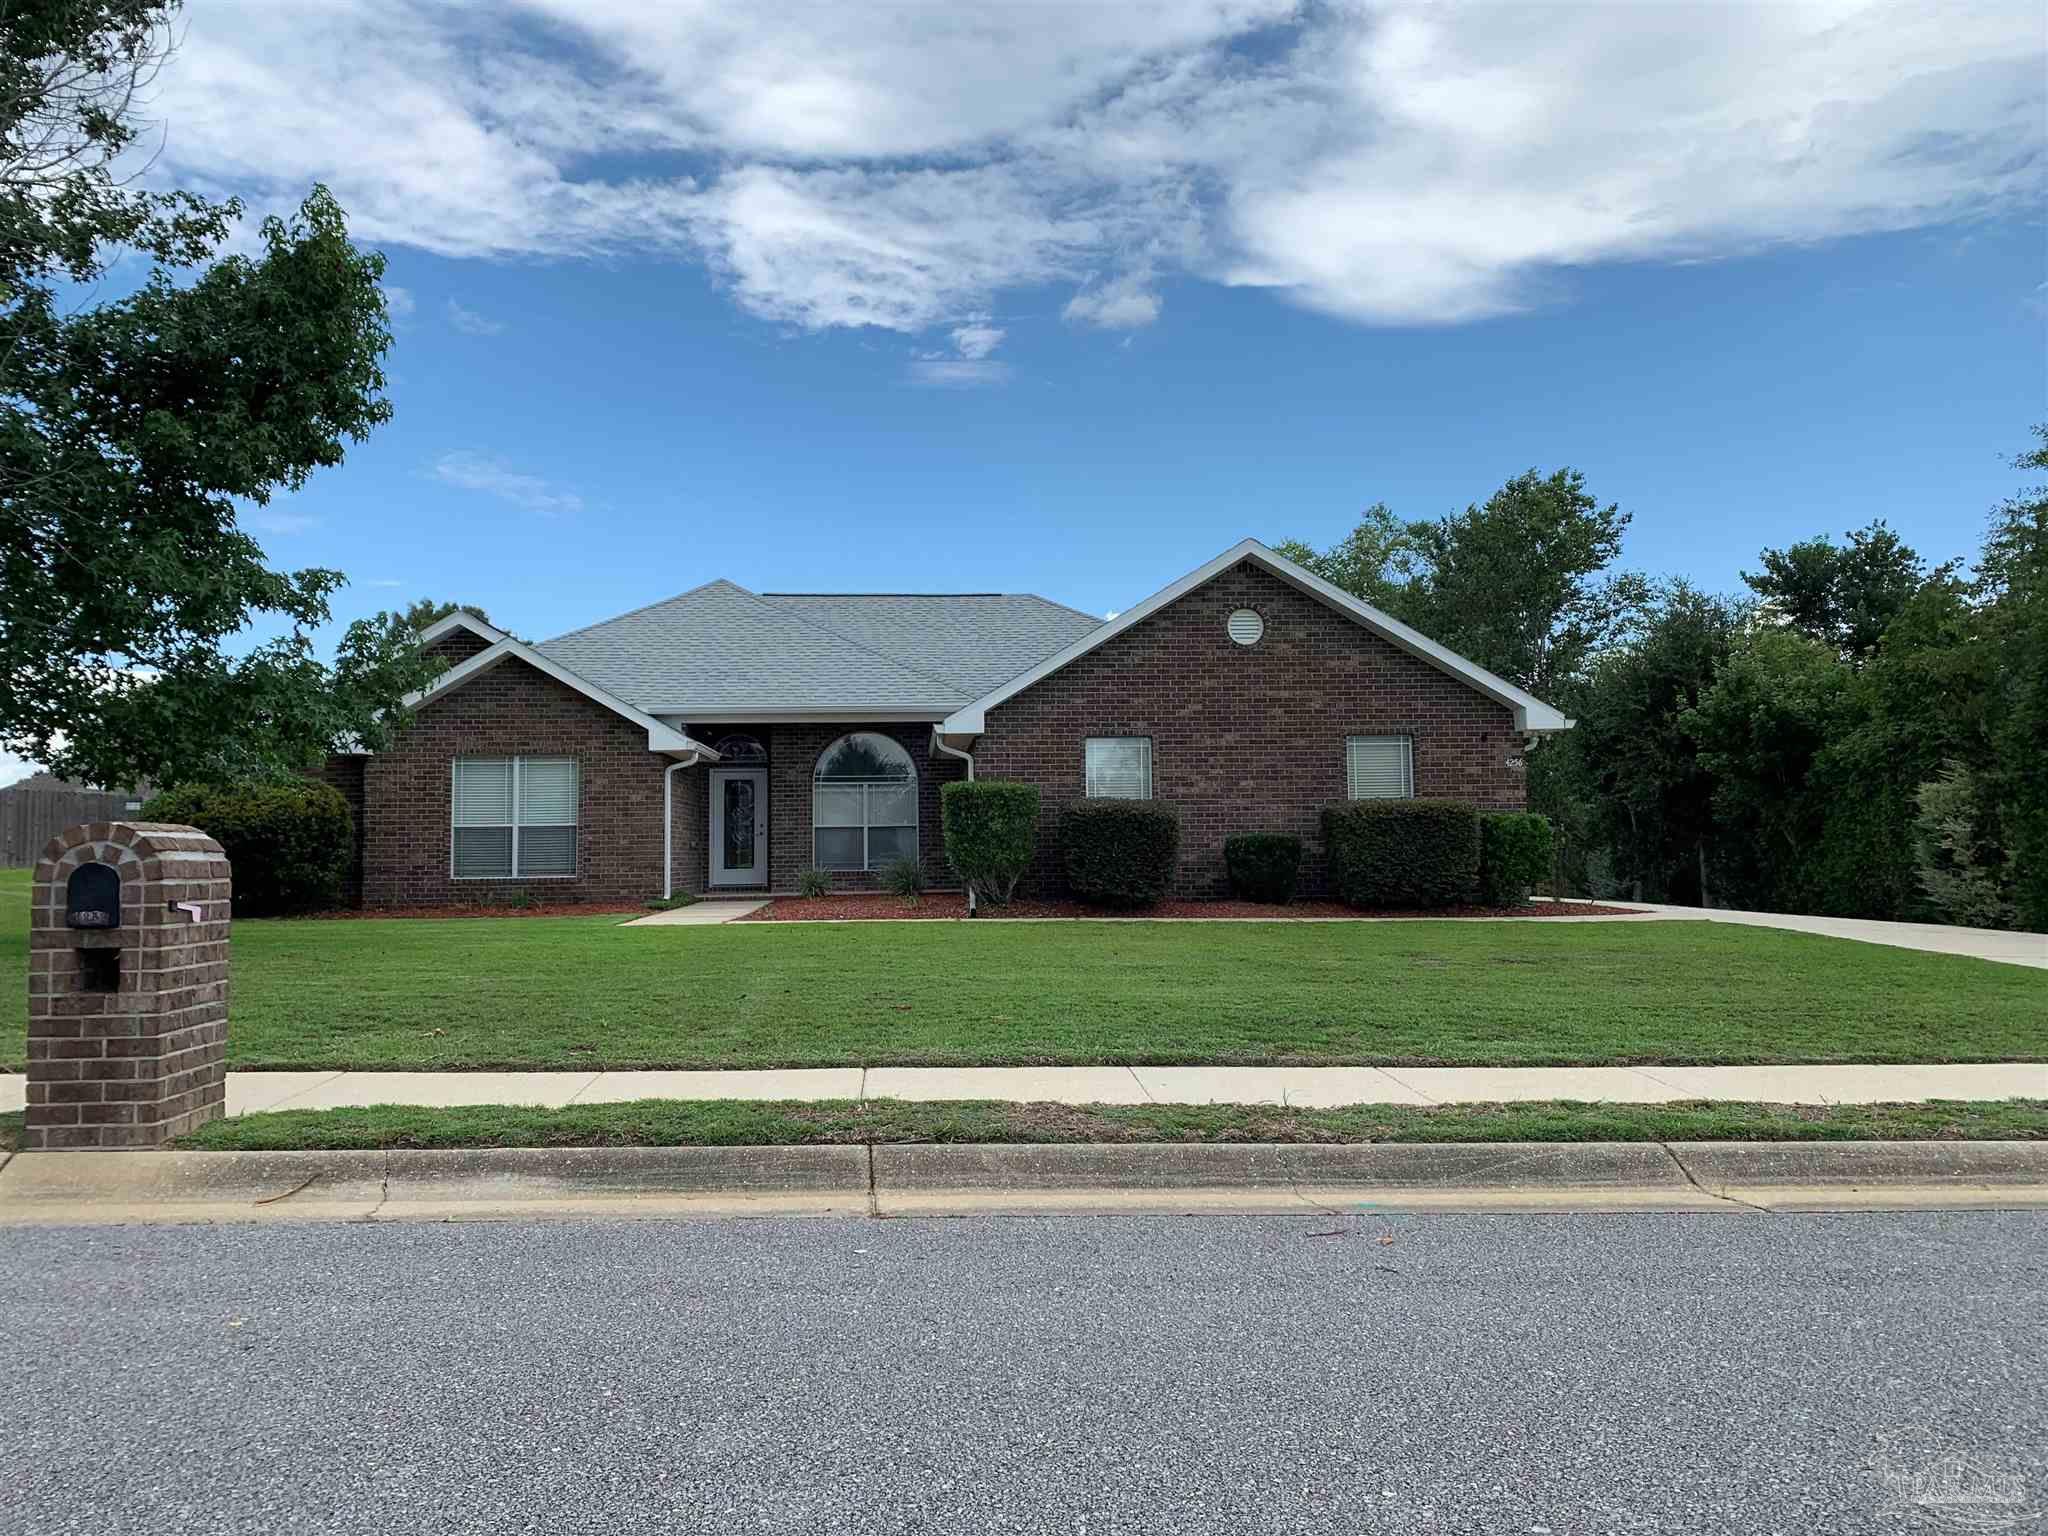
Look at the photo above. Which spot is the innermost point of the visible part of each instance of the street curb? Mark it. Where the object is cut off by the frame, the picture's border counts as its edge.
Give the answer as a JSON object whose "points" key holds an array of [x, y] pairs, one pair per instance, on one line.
{"points": [[56, 1188]]}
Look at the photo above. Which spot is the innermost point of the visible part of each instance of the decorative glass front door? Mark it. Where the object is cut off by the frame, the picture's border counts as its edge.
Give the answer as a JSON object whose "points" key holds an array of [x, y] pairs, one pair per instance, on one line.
{"points": [[739, 826]]}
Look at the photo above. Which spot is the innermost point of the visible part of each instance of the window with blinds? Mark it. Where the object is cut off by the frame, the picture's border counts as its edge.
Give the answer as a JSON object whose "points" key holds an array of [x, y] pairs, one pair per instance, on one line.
{"points": [[1379, 768], [514, 818], [1119, 767]]}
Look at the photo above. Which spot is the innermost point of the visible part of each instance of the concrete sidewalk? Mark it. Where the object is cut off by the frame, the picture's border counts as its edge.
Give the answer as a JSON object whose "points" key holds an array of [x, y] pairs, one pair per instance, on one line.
{"points": [[1297, 1087]]}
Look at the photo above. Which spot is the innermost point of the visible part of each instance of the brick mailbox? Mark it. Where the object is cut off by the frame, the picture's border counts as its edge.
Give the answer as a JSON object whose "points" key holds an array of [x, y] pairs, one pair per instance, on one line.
{"points": [[127, 986]]}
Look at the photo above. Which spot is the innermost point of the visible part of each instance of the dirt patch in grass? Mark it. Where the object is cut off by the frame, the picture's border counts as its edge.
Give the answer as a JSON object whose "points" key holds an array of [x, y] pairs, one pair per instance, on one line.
{"points": [[953, 906]]}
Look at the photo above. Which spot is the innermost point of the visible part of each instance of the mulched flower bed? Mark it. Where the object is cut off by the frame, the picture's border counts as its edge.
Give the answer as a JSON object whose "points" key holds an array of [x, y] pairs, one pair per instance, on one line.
{"points": [[812, 909], [538, 909]]}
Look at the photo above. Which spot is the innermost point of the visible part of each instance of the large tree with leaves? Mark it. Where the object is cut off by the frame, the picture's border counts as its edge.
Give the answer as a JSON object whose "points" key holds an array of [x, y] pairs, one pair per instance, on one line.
{"points": [[1844, 596], [133, 429]]}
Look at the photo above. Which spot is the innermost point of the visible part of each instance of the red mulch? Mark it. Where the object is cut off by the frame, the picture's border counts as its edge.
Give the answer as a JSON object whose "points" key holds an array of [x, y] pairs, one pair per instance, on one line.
{"points": [[802, 909], [539, 909]]}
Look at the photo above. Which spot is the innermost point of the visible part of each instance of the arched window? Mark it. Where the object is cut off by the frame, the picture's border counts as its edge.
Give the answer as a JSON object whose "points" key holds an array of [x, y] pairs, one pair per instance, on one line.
{"points": [[740, 749], [864, 803]]}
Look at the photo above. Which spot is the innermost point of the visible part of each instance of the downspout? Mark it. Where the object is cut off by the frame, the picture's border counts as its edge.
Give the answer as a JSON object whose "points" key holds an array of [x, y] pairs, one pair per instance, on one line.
{"points": [[967, 757], [668, 819]]}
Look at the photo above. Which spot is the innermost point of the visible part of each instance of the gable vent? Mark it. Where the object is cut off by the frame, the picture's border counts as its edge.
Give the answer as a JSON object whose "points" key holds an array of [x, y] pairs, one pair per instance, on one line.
{"points": [[1246, 627]]}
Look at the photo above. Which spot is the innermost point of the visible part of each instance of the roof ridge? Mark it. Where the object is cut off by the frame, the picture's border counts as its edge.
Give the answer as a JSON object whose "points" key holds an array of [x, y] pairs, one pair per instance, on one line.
{"points": [[663, 602], [859, 645]]}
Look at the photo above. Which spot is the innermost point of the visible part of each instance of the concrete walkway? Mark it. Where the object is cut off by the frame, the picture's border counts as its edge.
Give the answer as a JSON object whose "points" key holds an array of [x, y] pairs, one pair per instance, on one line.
{"points": [[1298, 1087], [698, 914]]}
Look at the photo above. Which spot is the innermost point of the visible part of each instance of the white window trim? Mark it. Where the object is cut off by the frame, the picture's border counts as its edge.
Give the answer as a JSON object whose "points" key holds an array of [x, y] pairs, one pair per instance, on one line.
{"points": [[516, 762], [1088, 787], [1407, 766], [867, 823]]}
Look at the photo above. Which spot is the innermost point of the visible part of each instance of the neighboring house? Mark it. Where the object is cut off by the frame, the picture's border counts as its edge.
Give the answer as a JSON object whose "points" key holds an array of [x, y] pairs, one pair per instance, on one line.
{"points": [[725, 740]]}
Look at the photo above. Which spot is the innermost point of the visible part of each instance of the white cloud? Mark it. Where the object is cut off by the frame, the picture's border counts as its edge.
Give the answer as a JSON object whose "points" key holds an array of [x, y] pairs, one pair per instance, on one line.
{"points": [[385, 581], [272, 521], [958, 373], [906, 166], [399, 301], [977, 339], [1124, 303], [475, 472], [470, 323]]}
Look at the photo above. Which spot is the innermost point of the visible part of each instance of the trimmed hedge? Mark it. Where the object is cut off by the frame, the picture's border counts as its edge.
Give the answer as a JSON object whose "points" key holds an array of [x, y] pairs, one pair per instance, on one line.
{"points": [[1263, 866], [1403, 853], [1514, 856], [1120, 853], [991, 828], [289, 844]]}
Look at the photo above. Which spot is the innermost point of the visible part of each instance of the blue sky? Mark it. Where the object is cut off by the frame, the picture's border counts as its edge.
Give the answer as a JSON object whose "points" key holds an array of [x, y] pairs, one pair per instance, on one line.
{"points": [[1066, 297], [1728, 405]]}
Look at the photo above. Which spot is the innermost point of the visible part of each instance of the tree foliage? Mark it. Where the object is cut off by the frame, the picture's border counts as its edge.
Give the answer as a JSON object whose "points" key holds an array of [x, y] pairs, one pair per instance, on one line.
{"points": [[1843, 596], [132, 430], [427, 612]]}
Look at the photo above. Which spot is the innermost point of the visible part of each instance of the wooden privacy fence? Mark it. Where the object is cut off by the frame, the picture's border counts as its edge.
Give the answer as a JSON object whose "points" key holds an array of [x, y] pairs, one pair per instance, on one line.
{"points": [[34, 811]]}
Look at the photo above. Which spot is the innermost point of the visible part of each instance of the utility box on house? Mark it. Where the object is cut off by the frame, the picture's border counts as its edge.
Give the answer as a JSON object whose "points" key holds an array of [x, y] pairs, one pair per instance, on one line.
{"points": [[127, 986]]}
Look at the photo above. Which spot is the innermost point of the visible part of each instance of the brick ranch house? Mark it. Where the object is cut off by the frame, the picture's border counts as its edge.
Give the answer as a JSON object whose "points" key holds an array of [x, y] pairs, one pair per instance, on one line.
{"points": [[725, 740]]}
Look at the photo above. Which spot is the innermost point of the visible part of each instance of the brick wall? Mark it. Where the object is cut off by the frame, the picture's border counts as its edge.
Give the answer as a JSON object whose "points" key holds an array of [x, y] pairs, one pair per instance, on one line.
{"points": [[793, 752], [513, 709], [1248, 739]]}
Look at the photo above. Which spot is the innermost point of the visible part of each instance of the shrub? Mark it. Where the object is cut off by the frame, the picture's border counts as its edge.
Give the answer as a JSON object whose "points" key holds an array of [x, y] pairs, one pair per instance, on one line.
{"points": [[1403, 853], [1264, 866], [1514, 856], [991, 833], [903, 877], [1120, 853], [813, 882], [290, 845]]}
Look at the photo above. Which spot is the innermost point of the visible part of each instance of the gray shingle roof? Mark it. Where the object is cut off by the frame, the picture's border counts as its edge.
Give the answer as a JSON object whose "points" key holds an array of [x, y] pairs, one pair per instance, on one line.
{"points": [[720, 649]]}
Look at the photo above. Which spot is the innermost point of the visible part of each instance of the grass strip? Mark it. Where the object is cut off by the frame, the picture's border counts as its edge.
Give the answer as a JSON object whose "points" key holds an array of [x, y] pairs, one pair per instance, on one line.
{"points": [[734, 1123]]}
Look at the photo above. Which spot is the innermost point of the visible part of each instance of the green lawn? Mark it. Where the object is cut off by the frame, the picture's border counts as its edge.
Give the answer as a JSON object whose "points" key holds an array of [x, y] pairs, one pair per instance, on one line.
{"points": [[669, 1123], [585, 992]]}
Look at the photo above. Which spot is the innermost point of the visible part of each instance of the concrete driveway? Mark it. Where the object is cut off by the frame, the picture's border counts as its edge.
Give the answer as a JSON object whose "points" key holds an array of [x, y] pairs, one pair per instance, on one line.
{"points": [[1935, 938]]}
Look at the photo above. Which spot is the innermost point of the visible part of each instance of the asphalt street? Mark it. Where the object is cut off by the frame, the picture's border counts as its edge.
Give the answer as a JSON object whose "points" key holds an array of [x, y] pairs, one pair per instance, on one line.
{"points": [[1360, 1373]]}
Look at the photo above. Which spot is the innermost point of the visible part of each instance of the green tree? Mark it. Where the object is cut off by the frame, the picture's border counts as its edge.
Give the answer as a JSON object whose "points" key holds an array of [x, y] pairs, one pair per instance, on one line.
{"points": [[1844, 597], [1774, 705], [131, 430], [2012, 592], [1633, 770], [1515, 583], [1374, 561], [426, 612]]}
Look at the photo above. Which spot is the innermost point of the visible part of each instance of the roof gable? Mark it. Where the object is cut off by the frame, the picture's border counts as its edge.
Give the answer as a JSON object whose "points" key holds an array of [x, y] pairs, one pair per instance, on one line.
{"points": [[1530, 713], [660, 737]]}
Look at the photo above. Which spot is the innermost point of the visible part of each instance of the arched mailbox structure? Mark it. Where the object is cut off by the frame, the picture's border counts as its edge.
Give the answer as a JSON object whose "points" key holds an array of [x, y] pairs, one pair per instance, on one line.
{"points": [[127, 986]]}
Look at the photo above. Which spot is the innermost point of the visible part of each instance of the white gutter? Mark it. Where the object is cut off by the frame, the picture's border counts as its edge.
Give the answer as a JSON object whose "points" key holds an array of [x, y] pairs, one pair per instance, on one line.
{"points": [[668, 818], [966, 756]]}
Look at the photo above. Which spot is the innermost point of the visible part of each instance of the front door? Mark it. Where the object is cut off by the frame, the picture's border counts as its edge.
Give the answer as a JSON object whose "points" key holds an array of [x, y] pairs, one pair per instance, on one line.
{"points": [[739, 826]]}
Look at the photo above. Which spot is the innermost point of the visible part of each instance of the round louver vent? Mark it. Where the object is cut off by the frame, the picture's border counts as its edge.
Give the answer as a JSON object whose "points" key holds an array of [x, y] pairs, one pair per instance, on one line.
{"points": [[1246, 627]]}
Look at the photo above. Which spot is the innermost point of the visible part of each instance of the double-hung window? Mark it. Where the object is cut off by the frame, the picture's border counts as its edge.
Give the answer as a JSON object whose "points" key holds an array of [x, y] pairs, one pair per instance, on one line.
{"points": [[1119, 767], [514, 818], [1379, 768]]}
